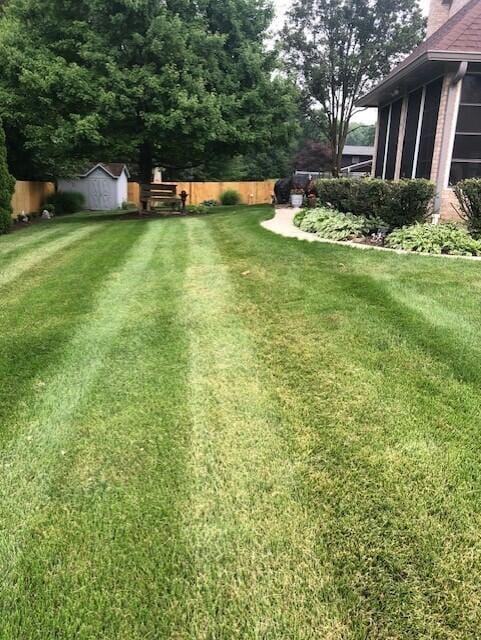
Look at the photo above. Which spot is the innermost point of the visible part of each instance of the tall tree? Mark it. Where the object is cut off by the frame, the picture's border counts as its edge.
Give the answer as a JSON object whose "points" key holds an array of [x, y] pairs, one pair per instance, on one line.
{"points": [[337, 49], [7, 185], [152, 82]]}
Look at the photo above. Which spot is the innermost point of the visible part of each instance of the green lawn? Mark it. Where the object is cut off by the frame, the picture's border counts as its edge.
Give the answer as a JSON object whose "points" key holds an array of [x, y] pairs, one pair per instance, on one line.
{"points": [[211, 432]]}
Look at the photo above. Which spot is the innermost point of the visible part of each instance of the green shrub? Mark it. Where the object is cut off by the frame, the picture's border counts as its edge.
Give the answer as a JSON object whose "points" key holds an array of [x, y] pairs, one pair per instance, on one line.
{"points": [[311, 218], [341, 226], [7, 186], [334, 225], [397, 203], [230, 197], [210, 203], [128, 206], [66, 202], [468, 193], [445, 238], [196, 209], [49, 207], [299, 217]]}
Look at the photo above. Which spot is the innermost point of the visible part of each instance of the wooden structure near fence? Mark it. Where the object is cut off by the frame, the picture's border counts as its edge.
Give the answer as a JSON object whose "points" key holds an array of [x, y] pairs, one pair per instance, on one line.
{"points": [[30, 196], [250, 192]]}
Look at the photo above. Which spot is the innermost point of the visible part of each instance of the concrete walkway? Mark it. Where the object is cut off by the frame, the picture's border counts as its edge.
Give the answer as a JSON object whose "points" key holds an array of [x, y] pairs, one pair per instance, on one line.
{"points": [[283, 224]]}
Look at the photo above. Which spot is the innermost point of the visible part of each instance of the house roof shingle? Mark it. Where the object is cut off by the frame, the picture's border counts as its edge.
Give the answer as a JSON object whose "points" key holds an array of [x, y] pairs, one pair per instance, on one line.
{"points": [[460, 35]]}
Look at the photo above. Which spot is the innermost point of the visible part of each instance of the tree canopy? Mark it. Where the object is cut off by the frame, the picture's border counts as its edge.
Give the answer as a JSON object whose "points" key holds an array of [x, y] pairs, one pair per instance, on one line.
{"points": [[337, 49], [151, 82]]}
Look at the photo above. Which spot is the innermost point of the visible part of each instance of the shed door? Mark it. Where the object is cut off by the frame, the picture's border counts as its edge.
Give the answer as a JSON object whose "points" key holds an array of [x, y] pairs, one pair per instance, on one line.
{"points": [[101, 193]]}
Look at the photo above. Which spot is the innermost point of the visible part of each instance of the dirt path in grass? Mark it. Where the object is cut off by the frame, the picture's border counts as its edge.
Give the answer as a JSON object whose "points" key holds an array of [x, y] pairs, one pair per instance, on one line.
{"points": [[256, 572]]}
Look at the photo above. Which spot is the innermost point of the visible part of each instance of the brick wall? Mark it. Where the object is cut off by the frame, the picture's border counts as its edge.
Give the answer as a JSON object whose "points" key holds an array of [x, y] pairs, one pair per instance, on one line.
{"points": [[448, 210], [440, 11]]}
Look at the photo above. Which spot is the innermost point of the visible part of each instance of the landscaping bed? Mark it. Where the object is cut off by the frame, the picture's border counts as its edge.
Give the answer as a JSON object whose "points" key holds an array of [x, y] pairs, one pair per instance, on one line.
{"points": [[392, 215]]}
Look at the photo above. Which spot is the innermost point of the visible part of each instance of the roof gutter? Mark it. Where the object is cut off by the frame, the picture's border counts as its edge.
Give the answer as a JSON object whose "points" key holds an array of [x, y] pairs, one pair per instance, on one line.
{"points": [[371, 99]]}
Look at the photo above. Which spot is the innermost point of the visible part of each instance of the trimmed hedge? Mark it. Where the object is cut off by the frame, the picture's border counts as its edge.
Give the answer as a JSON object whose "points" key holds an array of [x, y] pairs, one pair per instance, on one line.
{"points": [[7, 186], [468, 193], [397, 203]]}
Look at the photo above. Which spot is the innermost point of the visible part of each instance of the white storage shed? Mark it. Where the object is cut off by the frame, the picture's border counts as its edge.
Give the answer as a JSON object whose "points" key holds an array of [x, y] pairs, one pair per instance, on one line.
{"points": [[104, 185]]}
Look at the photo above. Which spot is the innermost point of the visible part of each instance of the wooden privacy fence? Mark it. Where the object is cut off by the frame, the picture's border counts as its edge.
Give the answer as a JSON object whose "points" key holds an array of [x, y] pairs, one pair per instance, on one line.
{"points": [[30, 196], [250, 192]]}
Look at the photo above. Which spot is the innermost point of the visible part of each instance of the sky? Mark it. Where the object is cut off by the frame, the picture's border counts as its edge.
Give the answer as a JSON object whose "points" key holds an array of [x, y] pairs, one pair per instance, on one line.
{"points": [[369, 115]]}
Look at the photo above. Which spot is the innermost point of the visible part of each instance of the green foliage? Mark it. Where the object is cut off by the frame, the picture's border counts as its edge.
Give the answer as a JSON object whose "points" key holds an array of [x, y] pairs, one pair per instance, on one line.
{"points": [[127, 206], [397, 203], [172, 84], [230, 197], [49, 207], [341, 226], [334, 225], [337, 50], [66, 202], [299, 217], [361, 134], [468, 193], [311, 218], [7, 186], [446, 238], [197, 209], [210, 203]]}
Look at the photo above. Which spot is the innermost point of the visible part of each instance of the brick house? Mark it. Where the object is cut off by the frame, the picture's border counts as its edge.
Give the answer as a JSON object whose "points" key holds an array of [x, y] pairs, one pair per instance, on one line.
{"points": [[429, 106]]}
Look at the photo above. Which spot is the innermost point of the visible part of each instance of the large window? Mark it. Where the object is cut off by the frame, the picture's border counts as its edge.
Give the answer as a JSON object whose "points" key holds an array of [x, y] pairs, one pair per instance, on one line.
{"points": [[384, 117], [419, 135], [466, 162], [415, 100], [389, 122], [427, 138], [390, 160]]}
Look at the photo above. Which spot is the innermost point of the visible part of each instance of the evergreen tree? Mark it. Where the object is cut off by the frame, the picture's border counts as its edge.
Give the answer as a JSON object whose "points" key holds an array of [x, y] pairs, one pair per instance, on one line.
{"points": [[7, 186]]}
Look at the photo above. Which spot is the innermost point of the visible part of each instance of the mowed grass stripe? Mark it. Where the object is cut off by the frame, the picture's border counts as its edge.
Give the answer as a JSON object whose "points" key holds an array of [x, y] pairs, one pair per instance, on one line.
{"points": [[378, 398], [33, 257], [255, 571], [40, 313], [105, 554], [18, 242], [49, 424]]}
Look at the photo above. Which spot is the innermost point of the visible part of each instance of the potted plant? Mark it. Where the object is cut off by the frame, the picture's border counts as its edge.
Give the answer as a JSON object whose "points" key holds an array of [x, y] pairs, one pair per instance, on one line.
{"points": [[297, 197]]}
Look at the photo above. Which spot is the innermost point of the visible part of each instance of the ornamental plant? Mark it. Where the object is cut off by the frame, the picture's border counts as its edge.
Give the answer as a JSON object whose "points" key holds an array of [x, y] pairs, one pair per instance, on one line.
{"points": [[445, 238], [468, 193], [7, 186]]}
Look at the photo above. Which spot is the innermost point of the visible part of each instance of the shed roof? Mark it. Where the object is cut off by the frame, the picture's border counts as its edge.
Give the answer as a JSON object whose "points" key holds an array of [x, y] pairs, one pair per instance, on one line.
{"points": [[113, 169], [457, 40]]}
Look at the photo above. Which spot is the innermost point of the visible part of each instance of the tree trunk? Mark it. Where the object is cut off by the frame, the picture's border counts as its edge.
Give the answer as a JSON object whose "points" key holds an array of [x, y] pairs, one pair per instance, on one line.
{"points": [[145, 168]]}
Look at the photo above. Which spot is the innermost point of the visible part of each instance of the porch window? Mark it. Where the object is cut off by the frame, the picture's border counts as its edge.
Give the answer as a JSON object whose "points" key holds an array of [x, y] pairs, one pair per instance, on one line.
{"points": [[427, 137], [382, 138], [466, 162], [415, 100]]}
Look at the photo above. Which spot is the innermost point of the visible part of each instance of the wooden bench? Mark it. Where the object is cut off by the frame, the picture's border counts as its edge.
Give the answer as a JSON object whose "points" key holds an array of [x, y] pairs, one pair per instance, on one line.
{"points": [[162, 193]]}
